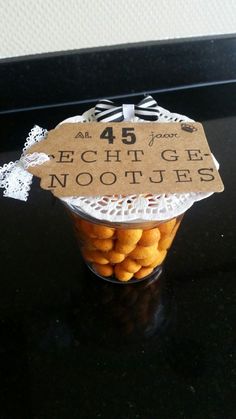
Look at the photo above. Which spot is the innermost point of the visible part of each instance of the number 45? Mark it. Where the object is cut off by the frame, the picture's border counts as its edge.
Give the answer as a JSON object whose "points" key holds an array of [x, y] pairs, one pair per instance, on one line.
{"points": [[128, 135]]}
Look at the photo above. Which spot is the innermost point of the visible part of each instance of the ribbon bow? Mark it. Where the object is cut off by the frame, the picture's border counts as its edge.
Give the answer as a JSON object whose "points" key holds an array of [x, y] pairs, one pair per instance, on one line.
{"points": [[108, 111]]}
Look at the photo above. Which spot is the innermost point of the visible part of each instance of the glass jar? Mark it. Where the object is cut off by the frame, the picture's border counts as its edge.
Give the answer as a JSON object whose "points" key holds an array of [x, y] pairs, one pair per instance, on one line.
{"points": [[124, 252]]}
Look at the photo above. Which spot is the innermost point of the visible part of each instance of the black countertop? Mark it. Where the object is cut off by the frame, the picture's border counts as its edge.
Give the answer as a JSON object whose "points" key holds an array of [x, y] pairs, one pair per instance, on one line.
{"points": [[73, 346]]}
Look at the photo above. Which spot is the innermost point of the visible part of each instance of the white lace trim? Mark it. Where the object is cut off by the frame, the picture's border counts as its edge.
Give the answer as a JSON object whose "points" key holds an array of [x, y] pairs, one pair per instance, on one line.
{"points": [[34, 159], [14, 178]]}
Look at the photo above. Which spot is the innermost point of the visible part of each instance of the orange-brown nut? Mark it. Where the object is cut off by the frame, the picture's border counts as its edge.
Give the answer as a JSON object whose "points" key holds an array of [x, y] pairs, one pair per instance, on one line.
{"points": [[79, 233], [159, 259], [87, 228], [165, 242], [103, 270], [129, 236], [130, 265], [174, 231], [88, 255], [143, 272], [76, 221], [95, 256], [148, 261], [124, 248], [142, 252], [121, 274], [167, 227], [103, 232], [115, 257], [102, 244], [87, 244], [150, 237]]}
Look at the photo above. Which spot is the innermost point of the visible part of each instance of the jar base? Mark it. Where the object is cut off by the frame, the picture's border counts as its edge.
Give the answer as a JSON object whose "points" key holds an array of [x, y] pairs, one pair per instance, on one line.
{"points": [[156, 273]]}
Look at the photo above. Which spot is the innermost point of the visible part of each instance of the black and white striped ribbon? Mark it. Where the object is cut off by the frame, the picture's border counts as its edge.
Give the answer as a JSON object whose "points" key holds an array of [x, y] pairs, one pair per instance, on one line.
{"points": [[107, 111]]}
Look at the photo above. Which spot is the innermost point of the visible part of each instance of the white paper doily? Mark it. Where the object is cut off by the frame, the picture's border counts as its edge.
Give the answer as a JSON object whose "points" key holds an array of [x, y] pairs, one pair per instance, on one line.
{"points": [[133, 208]]}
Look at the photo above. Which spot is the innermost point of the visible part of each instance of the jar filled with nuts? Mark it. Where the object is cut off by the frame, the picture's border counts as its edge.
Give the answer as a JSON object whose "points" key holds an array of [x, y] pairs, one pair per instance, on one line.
{"points": [[124, 252]]}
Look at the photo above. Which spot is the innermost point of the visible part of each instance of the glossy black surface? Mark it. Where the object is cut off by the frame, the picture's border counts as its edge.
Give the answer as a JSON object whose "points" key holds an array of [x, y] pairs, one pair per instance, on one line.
{"points": [[83, 75], [73, 346]]}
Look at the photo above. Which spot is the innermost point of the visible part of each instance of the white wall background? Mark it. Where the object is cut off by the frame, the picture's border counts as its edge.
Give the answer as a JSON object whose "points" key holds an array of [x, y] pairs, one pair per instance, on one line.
{"points": [[36, 26]]}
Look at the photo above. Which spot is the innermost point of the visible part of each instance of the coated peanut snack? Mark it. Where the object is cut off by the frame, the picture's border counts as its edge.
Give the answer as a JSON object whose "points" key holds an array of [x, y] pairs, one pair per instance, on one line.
{"points": [[124, 254]]}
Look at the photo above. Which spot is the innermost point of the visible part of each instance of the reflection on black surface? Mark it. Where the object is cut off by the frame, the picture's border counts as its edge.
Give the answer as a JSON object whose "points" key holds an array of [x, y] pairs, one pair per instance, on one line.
{"points": [[116, 313]]}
